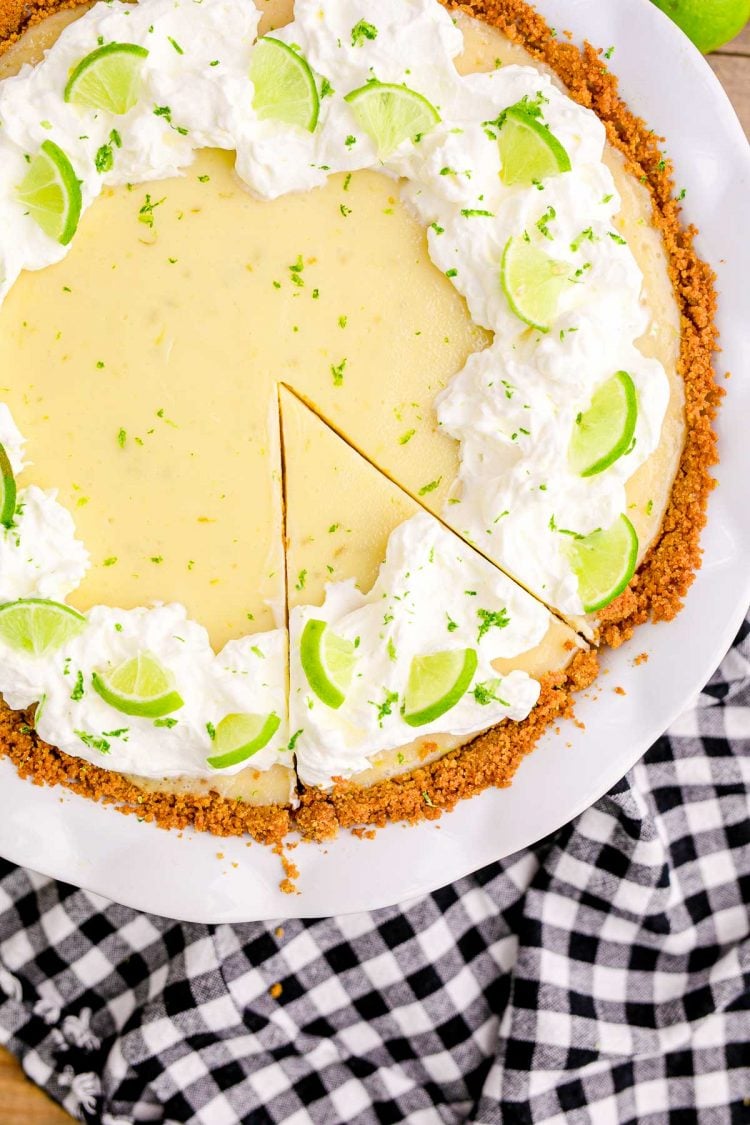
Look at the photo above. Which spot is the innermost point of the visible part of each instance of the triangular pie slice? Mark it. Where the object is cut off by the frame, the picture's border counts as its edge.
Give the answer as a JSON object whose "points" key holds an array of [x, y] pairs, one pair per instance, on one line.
{"points": [[367, 561]]}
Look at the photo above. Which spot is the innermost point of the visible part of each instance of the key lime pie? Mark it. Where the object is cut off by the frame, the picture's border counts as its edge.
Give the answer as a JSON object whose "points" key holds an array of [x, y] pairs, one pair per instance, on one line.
{"points": [[356, 387]]}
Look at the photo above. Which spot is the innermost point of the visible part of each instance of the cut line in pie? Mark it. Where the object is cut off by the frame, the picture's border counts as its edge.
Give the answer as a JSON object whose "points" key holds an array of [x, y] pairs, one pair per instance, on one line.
{"points": [[180, 310]]}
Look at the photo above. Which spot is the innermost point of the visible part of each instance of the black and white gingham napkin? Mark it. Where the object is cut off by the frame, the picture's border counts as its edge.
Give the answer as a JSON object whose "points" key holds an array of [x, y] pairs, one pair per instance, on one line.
{"points": [[600, 977]]}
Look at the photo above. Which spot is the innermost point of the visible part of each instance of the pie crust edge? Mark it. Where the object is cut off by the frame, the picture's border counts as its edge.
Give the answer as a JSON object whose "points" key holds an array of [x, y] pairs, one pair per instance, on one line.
{"points": [[656, 592]]}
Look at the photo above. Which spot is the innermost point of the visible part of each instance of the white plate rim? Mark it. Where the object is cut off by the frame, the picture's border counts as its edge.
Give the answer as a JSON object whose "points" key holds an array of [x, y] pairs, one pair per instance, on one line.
{"points": [[199, 878]]}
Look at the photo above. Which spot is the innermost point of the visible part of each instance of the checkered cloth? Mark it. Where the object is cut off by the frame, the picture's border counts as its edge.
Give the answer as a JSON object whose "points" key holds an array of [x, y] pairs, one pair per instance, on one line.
{"points": [[600, 977]]}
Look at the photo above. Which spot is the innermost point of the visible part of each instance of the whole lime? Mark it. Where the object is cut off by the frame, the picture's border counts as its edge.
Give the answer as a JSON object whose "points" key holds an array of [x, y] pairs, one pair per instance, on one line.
{"points": [[709, 23]]}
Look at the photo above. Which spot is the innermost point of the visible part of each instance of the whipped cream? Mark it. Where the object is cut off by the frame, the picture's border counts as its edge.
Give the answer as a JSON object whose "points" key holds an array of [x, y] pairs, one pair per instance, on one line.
{"points": [[39, 554], [248, 675], [512, 407], [432, 593]]}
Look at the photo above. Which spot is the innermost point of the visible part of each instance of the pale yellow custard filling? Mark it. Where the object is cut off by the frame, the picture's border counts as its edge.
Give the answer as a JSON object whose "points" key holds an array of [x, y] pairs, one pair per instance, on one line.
{"points": [[151, 359]]}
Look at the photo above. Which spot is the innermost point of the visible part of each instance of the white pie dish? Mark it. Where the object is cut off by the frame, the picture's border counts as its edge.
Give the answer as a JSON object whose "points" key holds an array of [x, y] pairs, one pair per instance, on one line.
{"points": [[180, 875]]}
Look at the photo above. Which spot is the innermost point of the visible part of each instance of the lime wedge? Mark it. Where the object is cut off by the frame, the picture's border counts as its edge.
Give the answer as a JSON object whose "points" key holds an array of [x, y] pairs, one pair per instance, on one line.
{"points": [[109, 78], [532, 282], [327, 661], [284, 85], [240, 736], [51, 192], [604, 432], [37, 626], [528, 150], [7, 490], [139, 686], [604, 562], [436, 683], [391, 114]]}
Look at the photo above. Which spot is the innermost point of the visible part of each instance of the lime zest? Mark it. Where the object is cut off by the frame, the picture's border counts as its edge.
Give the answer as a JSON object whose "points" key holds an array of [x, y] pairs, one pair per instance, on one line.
{"points": [[284, 87], [391, 114], [141, 685], [604, 561], [51, 192], [8, 490], [528, 150], [533, 282], [109, 78], [604, 433], [436, 683], [38, 626], [328, 662], [239, 736]]}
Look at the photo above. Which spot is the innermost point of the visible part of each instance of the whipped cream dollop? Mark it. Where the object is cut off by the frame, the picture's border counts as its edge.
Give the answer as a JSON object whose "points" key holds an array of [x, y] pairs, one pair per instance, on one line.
{"points": [[432, 594], [39, 553], [247, 676], [512, 408]]}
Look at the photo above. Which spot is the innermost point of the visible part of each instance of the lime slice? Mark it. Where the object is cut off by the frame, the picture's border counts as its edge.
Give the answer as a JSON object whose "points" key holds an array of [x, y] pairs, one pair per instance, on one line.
{"points": [[327, 661], [7, 490], [109, 78], [528, 151], [532, 282], [436, 683], [391, 114], [139, 686], [51, 192], [240, 736], [604, 432], [284, 85], [38, 626], [604, 562]]}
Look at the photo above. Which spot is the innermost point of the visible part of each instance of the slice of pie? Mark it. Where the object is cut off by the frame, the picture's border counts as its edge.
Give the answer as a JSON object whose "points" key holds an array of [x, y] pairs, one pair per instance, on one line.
{"points": [[396, 591], [454, 276]]}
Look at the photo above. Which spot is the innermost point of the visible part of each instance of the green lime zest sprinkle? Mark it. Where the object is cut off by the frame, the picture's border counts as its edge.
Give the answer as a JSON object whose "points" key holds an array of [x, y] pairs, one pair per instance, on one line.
{"points": [[146, 212], [361, 31], [92, 741], [386, 707], [430, 487], [485, 694], [542, 224], [337, 371], [490, 618]]}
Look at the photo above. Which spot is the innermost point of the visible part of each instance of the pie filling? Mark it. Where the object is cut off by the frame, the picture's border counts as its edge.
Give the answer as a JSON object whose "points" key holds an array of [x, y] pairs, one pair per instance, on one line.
{"points": [[161, 342]]}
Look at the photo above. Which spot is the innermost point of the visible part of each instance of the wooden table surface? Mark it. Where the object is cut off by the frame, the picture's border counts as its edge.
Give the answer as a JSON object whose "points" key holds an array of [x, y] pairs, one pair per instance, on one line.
{"points": [[21, 1103]]}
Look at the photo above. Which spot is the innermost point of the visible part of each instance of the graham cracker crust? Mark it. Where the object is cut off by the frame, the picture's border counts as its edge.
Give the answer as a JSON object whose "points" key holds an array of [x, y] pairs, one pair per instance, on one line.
{"points": [[656, 591]]}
